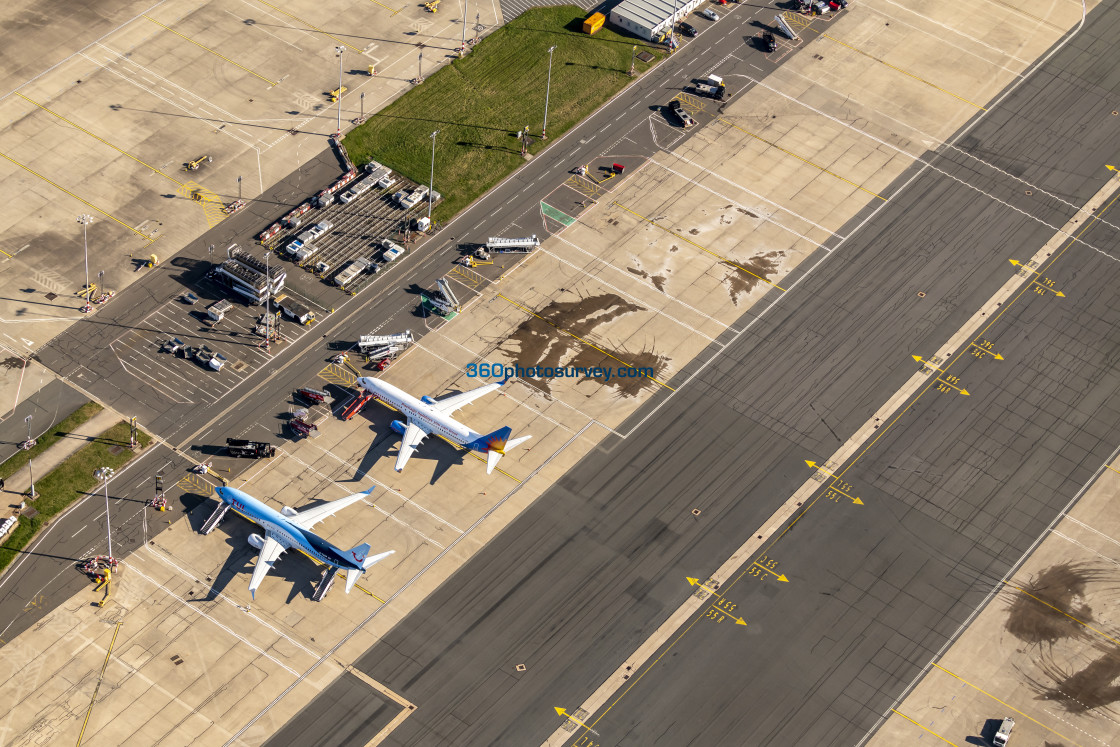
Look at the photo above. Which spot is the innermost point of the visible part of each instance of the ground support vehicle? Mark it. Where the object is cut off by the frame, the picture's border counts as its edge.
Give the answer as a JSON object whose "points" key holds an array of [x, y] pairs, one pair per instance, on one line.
{"points": [[238, 447]]}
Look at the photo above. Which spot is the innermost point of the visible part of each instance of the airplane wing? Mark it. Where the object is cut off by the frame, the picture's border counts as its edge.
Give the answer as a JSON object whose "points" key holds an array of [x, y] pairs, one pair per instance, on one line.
{"points": [[270, 552], [310, 517], [412, 437], [457, 401]]}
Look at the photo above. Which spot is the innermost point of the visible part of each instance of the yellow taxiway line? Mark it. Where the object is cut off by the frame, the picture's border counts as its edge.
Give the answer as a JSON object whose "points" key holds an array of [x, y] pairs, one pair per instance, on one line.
{"points": [[211, 51], [88, 204], [804, 160]]}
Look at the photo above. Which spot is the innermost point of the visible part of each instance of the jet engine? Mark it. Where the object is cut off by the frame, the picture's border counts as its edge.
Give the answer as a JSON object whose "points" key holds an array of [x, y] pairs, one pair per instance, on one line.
{"points": [[256, 541], [398, 426]]}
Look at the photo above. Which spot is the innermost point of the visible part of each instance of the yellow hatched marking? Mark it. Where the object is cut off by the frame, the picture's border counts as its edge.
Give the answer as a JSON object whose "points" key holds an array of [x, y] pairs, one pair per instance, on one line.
{"points": [[584, 187], [194, 483], [797, 21], [469, 276], [335, 374], [210, 203], [691, 104]]}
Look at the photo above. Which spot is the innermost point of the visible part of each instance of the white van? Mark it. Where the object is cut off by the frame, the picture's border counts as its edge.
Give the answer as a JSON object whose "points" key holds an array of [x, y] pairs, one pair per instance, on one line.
{"points": [[709, 14], [1000, 738]]}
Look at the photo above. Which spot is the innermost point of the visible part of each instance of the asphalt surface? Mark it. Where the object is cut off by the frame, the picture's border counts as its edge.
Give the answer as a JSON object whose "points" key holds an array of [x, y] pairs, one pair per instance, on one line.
{"points": [[595, 565], [46, 407], [954, 492], [87, 356]]}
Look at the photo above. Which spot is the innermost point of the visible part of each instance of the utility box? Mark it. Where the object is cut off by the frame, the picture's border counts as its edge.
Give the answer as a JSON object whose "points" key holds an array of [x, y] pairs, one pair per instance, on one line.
{"points": [[593, 23], [217, 310]]}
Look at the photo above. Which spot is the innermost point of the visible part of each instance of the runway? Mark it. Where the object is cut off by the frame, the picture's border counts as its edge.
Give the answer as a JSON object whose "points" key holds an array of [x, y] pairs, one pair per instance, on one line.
{"points": [[953, 493]]}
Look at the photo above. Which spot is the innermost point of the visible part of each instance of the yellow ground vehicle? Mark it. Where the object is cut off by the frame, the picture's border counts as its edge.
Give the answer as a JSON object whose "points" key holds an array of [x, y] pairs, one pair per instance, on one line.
{"points": [[196, 164], [432, 7]]}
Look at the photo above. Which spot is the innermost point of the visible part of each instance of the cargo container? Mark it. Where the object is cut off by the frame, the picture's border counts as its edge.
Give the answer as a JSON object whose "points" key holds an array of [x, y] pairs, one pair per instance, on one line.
{"points": [[593, 23]]}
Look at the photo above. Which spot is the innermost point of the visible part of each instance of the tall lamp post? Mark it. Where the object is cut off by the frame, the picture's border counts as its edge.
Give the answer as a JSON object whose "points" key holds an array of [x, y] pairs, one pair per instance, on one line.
{"points": [[105, 474], [463, 48], [432, 178], [339, 51], [85, 220], [267, 305], [27, 445], [547, 88]]}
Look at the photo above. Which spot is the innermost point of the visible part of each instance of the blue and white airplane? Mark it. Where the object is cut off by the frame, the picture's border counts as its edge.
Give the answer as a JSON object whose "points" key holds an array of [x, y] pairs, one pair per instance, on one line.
{"points": [[427, 416], [288, 529]]}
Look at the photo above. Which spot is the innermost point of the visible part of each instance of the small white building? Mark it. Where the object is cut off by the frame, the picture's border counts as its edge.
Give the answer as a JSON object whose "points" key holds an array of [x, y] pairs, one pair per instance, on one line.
{"points": [[648, 18]]}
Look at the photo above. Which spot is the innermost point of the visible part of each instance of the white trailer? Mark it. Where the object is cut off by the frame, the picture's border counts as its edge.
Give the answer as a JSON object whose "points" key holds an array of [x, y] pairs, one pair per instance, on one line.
{"points": [[351, 271], [366, 343], [523, 246]]}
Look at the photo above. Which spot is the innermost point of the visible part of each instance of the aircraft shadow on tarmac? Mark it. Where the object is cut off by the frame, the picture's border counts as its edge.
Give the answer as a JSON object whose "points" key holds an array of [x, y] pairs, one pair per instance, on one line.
{"points": [[386, 443], [293, 571]]}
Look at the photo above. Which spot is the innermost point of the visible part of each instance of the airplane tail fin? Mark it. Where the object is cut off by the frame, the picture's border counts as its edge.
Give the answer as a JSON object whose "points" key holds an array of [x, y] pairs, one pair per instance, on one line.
{"points": [[359, 555], [496, 449]]}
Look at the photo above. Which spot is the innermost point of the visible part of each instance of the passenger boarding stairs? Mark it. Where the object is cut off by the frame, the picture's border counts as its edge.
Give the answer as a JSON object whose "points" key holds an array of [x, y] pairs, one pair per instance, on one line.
{"points": [[215, 518], [325, 585]]}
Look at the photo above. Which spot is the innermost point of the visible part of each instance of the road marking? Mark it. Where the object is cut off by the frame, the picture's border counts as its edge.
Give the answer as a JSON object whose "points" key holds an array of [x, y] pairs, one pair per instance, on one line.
{"points": [[211, 51], [720, 257], [804, 160], [900, 70], [985, 692], [88, 204], [310, 26], [854, 449], [101, 139], [915, 723]]}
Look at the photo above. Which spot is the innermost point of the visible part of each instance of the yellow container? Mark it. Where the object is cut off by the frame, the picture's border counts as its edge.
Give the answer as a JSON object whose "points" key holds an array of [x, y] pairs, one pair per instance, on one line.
{"points": [[593, 23]]}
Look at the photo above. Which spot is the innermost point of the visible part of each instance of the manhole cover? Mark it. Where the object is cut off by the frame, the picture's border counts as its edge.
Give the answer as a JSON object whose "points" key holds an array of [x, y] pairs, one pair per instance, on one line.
{"points": [[645, 56], [51, 296]]}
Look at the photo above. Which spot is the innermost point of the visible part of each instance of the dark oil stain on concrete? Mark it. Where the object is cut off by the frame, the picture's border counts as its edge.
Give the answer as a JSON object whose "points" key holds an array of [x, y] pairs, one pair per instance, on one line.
{"points": [[674, 248], [657, 280], [740, 282], [1089, 689], [746, 212], [1062, 587], [536, 342], [694, 231]]}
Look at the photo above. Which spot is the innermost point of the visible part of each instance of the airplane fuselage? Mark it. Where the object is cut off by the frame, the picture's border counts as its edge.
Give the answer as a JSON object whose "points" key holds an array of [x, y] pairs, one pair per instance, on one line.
{"points": [[422, 414], [286, 533]]}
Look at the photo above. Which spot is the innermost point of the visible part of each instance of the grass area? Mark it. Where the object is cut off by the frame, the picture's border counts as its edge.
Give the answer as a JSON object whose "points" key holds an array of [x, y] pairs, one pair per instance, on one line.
{"points": [[70, 481], [479, 103], [55, 433]]}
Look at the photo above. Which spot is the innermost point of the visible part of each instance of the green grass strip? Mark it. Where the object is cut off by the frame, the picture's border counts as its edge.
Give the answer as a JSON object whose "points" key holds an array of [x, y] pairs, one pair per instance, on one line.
{"points": [[54, 434], [479, 103], [69, 481]]}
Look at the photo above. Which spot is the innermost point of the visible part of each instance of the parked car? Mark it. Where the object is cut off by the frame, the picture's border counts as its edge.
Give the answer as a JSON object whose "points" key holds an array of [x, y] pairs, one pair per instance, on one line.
{"points": [[769, 43], [687, 29], [678, 110], [710, 14]]}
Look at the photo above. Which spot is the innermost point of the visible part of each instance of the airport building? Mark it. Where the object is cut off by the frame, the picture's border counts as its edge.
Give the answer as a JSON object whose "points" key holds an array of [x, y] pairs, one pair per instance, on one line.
{"points": [[649, 18]]}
